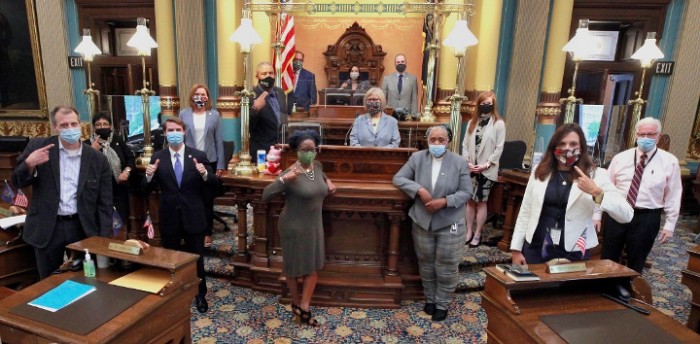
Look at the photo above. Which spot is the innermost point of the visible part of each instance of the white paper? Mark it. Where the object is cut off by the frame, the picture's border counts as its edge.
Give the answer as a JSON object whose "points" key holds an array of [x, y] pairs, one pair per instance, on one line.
{"points": [[8, 222]]}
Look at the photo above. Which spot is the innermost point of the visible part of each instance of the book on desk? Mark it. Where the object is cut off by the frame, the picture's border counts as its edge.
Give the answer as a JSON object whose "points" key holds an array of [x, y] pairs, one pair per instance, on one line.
{"points": [[517, 272]]}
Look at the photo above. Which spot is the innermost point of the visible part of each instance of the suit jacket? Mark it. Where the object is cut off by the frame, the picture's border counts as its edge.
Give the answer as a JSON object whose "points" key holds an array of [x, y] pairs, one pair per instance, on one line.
{"points": [[213, 138], [453, 183], [182, 205], [387, 133], [408, 99], [491, 148], [579, 211], [305, 90], [264, 127], [94, 192]]}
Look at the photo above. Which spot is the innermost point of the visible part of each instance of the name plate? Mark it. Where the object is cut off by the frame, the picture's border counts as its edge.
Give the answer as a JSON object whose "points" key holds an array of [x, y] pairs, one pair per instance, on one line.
{"points": [[125, 249], [569, 267]]}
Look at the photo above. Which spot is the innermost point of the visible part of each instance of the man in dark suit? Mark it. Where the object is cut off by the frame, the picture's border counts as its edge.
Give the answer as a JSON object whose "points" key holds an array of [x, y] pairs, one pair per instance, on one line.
{"points": [[71, 191], [269, 110], [184, 177], [304, 83]]}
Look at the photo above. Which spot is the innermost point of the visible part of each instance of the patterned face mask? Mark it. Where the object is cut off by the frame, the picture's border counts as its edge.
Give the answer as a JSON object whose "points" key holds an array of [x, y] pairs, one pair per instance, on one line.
{"points": [[373, 106], [567, 157]]}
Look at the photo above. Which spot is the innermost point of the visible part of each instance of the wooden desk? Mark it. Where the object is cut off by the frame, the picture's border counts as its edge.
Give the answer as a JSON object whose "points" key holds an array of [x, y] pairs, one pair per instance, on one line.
{"points": [[17, 263], [514, 183], [691, 278], [154, 319], [514, 308]]}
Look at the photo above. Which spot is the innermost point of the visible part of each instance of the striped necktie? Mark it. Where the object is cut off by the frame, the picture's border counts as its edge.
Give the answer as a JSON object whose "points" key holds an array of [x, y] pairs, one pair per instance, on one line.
{"points": [[636, 181]]}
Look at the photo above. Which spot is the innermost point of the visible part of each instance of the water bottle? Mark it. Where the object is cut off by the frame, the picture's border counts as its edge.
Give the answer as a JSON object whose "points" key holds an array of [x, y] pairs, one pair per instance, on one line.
{"points": [[537, 153]]}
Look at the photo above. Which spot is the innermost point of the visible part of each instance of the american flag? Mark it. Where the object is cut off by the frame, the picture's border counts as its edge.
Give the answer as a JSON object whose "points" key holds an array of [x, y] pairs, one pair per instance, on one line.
{"points": [[285, 30], [149, 227], [581, 243], [117, 222], [8, 195], [21, 199]]}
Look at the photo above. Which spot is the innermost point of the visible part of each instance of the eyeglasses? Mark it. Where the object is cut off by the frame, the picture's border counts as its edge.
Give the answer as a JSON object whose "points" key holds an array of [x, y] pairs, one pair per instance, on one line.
{"points": [[306, 150], [649, 135]]}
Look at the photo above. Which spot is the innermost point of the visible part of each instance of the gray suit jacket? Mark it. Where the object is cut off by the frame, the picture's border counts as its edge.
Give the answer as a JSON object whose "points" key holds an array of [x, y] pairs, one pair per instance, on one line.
{"points": [[213, 138], [387, 133], [408, 99], [453, 183], [94, 192], [490, 149]]}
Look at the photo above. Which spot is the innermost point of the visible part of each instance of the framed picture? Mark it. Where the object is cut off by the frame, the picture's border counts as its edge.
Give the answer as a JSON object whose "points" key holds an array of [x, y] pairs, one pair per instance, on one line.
{"points": [[22, 87], [123, 35], [605, 45]]}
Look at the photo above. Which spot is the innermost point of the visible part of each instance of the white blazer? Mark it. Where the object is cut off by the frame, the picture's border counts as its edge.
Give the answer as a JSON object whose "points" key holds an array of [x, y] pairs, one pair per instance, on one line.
{"points": [[490, 149], [579, 211]]}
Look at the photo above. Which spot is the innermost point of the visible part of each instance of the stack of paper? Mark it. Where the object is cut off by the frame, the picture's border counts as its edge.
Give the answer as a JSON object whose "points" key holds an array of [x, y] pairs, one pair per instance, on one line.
{"points": [[62, 296]]}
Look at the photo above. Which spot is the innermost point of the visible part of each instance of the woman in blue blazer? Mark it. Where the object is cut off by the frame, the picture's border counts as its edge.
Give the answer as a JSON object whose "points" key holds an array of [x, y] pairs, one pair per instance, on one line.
{"points": [[204, 133], [375, 128]]}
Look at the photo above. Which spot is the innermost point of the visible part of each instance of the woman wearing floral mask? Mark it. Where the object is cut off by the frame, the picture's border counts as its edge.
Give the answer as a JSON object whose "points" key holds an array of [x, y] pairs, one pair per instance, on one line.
{"points": [[375, 128], [300, 224], [354, 83], [439, 182], [556, 215], [203, 132]]}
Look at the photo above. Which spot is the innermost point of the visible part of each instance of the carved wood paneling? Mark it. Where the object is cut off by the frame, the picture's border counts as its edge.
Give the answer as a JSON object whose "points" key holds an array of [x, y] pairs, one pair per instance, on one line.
{"points": [[354, 47]]}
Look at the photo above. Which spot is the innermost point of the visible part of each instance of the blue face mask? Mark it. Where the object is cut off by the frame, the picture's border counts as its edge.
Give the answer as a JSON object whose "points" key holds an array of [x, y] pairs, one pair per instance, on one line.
{"points": [[646, 144], [70, 135], [437, 150], [175, 137]]}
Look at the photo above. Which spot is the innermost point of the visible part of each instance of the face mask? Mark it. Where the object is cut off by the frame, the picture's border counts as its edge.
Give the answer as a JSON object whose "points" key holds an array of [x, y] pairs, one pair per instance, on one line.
{"points": [[567, 157], [437, 150], [306, 158], [373, 106], [297, 65], [485, 108], [267, 82], [175, 137], [401, 67], [70, 135], [354, 75], [646, 144], [103, 133], [199, 101]]}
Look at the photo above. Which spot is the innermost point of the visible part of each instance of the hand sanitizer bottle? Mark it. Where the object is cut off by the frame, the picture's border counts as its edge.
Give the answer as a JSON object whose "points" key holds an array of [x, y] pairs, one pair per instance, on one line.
{"points": [[88, 265], [294, 108]]}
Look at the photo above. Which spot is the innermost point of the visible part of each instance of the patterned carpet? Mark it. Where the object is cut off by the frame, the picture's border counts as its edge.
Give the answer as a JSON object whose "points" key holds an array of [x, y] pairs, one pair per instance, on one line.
{"points": [[238, 315]]}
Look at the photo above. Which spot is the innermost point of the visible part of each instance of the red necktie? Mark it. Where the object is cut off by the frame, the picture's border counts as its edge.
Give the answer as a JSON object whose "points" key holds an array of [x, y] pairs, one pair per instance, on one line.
{"points": [[636, 180]]}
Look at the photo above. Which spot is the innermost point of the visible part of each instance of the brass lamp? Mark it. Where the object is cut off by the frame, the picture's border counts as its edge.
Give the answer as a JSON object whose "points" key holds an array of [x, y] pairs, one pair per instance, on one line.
{"points": [[580, 46], [88, 50], [143, 42], [458, 39], [246, 37], [647, 54]]}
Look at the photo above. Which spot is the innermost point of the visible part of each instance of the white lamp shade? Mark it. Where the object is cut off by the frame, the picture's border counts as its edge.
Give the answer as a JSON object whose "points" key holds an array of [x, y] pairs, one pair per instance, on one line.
{"points": [[87, 47], [245, 35], [649, 52], [582, 44], [460, 37], [142, 39]]}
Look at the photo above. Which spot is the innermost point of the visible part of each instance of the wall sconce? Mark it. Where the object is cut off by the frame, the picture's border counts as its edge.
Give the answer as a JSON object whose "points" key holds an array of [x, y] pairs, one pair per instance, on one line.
{"points": [[580, 47], [246, 37], [647, 54], [88, 50], [143, 42], [458, 39]]}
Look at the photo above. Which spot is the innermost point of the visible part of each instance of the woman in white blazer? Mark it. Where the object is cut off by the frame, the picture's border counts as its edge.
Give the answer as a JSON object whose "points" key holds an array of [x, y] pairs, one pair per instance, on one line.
{"points": [[375, 128], [482, 147], [556, 215]]}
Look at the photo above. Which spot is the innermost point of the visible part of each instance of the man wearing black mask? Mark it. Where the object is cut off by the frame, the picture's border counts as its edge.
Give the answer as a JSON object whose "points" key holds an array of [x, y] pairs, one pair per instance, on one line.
{"points": [[269, 110], [401, 89], [304, 83]]}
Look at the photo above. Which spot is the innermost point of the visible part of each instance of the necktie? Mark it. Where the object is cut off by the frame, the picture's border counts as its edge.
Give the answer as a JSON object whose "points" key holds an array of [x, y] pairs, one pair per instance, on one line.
{"points": [[178, 169], [636, 180], [400, 83]]}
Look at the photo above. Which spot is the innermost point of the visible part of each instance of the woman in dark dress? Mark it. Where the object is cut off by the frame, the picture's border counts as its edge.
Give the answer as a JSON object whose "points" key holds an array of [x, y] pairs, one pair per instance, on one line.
{"points": [[300, 224]]}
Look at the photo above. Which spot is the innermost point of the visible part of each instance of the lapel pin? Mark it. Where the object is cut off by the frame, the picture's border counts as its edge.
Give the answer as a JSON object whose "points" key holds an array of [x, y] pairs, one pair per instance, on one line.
{"points": [[189, 156]]}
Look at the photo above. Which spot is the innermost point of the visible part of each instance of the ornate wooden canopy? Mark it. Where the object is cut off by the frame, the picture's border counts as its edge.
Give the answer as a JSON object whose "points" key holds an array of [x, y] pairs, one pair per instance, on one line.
{"points": [[354, 47]]}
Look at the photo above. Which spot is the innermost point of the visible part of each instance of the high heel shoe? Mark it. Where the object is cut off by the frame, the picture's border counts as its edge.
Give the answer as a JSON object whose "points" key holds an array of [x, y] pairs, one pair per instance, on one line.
{"points": [[469, 239], [296, 312], [306, 318], [478, 241]]}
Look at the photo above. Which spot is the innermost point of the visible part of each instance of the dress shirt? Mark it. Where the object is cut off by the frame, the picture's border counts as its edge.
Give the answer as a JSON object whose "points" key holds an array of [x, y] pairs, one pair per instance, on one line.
{"points": [[437, 164], [69, 164], [661, 181], [200, 124]]}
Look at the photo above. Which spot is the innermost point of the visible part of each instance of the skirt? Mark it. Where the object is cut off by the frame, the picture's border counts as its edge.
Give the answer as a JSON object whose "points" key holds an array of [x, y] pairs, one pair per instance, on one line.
{"points": [[481, 187]]}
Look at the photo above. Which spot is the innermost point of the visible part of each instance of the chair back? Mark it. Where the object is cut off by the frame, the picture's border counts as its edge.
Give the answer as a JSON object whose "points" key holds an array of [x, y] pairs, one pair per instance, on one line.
{"points": [[290, 128], [513, 155]]}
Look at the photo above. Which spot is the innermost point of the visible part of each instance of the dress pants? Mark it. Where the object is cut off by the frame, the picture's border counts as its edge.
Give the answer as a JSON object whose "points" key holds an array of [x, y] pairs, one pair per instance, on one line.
{"points": [[439, 253], [637, 236], [194, 243], [50, 258]]}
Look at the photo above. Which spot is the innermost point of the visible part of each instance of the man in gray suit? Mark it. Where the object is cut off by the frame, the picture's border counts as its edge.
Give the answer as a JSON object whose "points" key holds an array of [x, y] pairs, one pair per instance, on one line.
{"points": [[401, 88], [439, 181], [71, 190]]}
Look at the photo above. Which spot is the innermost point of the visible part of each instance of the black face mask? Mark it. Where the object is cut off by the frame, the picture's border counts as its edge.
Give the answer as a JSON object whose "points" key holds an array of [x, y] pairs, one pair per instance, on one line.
{"points": [[485, 108], [103, 133], [401, 67], [267, 82]]}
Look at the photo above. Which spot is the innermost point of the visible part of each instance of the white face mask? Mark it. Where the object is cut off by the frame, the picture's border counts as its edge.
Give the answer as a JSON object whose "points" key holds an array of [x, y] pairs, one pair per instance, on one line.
{"points": [[354, 75]]}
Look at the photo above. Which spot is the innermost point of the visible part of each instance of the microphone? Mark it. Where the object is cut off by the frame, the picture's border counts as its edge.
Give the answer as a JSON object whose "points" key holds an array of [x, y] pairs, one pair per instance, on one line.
{"points": [[347, 135]]}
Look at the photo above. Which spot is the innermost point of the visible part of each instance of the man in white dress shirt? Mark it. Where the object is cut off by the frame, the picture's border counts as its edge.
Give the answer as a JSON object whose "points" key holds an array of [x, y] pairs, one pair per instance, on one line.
{"points": [[651, 179]]}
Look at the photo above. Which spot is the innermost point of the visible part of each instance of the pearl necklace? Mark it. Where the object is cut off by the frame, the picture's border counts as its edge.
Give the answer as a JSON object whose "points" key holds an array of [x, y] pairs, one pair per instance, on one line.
{"points": [[307, 173]]}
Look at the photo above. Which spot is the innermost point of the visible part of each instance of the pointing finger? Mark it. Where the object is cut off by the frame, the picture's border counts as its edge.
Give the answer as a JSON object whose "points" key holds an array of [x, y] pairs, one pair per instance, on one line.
{"points": [[580, 173], [157, 162], [47, 147], [195, 161]]}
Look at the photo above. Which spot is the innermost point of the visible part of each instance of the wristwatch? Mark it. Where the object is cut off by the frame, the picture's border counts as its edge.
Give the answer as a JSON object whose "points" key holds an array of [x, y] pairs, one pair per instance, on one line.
{"points": [[599, 199]]}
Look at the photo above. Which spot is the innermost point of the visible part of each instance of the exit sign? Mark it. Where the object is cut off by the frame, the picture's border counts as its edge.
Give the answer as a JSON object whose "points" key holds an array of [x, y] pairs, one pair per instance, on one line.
{"points": [[75, 62], [663, 67]]}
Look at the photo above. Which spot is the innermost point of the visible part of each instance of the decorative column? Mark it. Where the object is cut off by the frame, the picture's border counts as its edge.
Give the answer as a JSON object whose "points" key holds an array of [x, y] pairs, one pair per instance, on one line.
{"points": [[167, 75], [549, 108], [230, 68], [191, 45]]}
